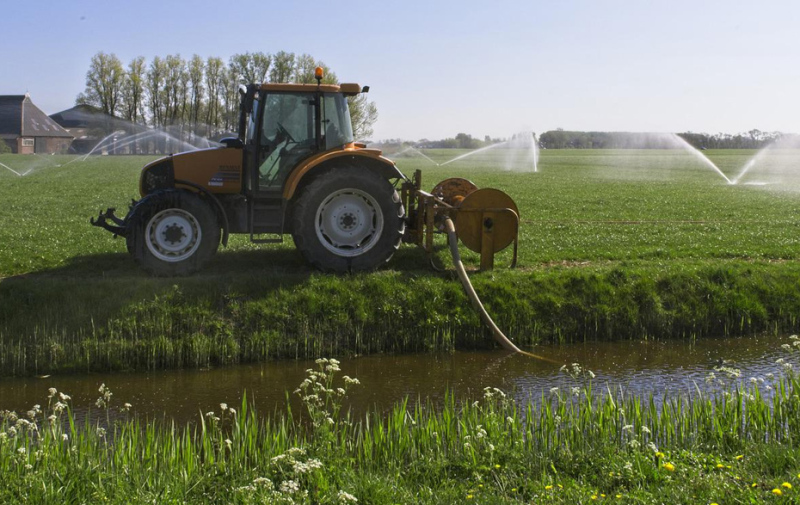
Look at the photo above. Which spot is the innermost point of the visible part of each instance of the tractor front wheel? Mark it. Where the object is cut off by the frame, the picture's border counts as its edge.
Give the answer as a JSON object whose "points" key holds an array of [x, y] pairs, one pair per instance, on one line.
{"points": [[348, 220], [173, 233]]}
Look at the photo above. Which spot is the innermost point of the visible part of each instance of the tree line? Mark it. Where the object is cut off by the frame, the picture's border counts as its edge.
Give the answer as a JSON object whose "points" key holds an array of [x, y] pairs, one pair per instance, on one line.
{"points": [[560, 139], [200, 95]]}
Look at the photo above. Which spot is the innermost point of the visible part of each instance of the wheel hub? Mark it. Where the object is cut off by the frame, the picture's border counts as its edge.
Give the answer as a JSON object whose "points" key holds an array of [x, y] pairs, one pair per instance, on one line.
{"points": [[349, 222], [173, 235]]}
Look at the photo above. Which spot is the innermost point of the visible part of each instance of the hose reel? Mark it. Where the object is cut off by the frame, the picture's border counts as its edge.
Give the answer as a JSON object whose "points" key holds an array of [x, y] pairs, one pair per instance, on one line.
{"points": [[486, 220]]}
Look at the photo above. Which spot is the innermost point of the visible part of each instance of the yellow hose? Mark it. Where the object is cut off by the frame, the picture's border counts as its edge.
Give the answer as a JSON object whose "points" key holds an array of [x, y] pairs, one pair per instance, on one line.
{"points": [[473, 296]]}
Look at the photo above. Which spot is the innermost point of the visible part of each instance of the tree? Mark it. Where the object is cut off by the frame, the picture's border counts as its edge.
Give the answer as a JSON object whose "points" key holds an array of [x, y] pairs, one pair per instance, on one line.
{"points": [[282, 67], [250, 67], [215, 74], [363, 114], [196, 71], [156, 76], [103, 83], [133, 91]]}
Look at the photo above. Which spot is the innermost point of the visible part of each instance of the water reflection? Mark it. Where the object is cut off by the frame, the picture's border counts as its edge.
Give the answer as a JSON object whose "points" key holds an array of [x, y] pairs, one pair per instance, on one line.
{"points": [[640, 367]]}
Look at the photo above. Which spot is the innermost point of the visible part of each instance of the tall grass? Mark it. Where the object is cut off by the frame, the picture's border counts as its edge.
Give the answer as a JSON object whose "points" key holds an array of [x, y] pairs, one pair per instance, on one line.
{"points": [[191, 322], [736, 444]]}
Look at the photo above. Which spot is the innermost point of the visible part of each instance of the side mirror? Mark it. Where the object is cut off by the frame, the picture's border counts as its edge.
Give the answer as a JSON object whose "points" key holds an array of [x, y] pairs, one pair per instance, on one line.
{"points": [[232, 142], [365, 89]]}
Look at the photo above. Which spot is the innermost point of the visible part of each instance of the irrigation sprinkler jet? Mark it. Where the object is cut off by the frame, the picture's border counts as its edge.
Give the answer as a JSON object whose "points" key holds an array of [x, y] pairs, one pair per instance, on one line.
{"points": [[9, 168]]}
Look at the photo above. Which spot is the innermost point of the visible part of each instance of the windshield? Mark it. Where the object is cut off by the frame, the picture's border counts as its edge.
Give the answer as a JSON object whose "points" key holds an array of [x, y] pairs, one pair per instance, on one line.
{"points": [[336, 127]]}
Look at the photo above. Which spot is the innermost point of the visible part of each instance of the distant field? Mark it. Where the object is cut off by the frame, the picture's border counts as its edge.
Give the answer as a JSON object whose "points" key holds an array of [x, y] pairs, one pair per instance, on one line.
{"points": [[613, 244], [582, 205]]}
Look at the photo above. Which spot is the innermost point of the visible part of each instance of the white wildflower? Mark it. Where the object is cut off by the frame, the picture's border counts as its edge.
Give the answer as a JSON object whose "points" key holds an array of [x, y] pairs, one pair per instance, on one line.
{"points": [[346, 498], [223, 406], [289, 487], [64, 397], [52, 391]]}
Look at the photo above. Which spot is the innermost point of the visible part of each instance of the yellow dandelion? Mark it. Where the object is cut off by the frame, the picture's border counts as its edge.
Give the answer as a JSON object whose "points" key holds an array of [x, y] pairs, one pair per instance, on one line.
{"points": [[669, 467], [720, 466], [753, 485], [594, 497], [714, 503], [548, 488], [469, 497], [610, 474], [497, 466], [602, 495], [513, 490], [619, 496], [786, 485], [740, 457], [777, 492], [560, 486], [659, 454]]}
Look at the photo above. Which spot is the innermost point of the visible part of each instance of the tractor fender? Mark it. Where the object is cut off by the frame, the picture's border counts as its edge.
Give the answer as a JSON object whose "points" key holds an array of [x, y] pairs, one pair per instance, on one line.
{"points": [[370, 159]]}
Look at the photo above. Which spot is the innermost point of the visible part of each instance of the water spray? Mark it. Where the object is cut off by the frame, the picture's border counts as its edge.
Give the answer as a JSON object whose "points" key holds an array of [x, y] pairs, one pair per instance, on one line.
{"points": [[9, 168]]}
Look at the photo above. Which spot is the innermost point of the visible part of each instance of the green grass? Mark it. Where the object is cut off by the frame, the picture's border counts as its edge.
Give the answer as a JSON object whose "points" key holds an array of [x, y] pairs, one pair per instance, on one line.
{"points": [[613, 244], [735, 445]]}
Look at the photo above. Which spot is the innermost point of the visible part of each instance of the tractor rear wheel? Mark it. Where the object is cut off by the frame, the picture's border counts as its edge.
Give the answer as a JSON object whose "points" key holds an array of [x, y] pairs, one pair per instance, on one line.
{"points": [[173, 233], [348, 220]]}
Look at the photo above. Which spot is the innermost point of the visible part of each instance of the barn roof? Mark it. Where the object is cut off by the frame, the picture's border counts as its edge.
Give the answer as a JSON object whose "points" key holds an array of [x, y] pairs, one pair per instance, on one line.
{"points": [[20, 117], [81, 116]]}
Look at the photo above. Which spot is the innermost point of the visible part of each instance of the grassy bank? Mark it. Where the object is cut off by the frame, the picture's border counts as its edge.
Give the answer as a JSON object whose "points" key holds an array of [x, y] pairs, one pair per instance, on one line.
{"points": [[613, 244], [736, 445], [52, 324]]}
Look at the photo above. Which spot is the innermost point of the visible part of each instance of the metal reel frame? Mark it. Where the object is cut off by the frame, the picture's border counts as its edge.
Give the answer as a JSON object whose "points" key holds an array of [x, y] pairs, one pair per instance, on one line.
{"points": [[426, 211]]}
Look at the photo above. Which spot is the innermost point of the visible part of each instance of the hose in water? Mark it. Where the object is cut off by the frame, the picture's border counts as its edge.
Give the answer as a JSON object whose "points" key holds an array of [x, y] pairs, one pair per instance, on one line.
{"points": [[473, 296]]}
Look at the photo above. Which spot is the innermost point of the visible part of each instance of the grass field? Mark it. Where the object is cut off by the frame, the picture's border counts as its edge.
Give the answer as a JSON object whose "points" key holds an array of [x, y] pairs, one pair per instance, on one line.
{"points": [[583, 205], [613, 244]]}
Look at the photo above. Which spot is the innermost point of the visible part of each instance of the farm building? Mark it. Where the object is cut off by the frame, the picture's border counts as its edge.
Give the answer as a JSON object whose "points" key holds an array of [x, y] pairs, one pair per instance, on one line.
{"points": [[28, 130], [89, 125]]}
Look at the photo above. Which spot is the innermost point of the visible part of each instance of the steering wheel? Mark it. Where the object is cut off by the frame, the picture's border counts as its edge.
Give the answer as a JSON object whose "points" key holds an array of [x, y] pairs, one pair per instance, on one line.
{"points": [[285, 133]]}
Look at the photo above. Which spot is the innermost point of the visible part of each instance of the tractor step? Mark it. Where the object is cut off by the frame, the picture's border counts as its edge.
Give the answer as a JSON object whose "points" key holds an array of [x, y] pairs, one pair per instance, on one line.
{"points": [[266, 218]]}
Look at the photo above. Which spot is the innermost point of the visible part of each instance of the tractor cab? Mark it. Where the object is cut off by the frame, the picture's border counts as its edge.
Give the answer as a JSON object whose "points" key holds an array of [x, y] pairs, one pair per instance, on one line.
{"points": [[283, 124]]}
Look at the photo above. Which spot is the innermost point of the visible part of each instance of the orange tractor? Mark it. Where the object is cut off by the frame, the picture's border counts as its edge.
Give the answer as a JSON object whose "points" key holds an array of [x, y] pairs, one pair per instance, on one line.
{"points": [[295, 168]]}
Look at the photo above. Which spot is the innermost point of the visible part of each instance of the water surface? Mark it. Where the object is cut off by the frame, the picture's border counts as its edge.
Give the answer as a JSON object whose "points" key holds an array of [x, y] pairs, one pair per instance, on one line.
{"points": [[638, 366]]}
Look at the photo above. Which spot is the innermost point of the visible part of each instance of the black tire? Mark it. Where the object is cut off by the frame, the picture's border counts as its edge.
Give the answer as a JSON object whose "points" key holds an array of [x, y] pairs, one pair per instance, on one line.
{"points": [[173, 233], [348, 219]]}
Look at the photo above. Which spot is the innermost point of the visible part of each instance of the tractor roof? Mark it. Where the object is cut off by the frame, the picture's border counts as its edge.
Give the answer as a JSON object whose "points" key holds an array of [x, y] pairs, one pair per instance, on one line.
{"points": [[345, 88]]}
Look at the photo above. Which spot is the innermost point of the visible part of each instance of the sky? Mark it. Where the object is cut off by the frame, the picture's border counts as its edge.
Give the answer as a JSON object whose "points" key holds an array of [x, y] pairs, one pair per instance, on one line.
{"points": [[438, 68]]}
